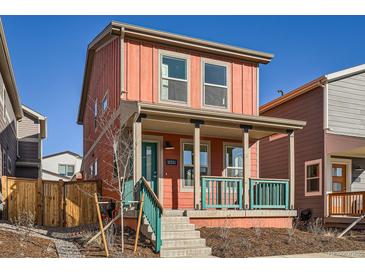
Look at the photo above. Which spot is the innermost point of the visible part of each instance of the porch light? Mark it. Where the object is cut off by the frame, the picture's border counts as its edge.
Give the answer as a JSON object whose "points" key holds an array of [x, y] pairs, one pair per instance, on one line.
{"points": [[168, 146], [359, 168]]}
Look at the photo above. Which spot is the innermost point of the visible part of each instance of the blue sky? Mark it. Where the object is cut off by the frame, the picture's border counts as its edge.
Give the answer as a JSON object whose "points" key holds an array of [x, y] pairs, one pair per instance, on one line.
{"points": [[48, 55]]}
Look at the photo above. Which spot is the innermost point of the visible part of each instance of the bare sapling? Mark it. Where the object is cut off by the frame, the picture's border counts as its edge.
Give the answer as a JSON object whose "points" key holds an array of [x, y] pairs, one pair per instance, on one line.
{"points": [[116, 140]]}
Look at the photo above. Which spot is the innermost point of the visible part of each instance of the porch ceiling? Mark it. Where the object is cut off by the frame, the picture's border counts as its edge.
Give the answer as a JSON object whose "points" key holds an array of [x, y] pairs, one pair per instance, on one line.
{"points": [[172, 119], [347, 146]]}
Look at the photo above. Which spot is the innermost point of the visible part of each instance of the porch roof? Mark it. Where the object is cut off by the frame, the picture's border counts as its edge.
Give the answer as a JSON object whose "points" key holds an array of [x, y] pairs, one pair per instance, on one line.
{"points": [[177, 119]]}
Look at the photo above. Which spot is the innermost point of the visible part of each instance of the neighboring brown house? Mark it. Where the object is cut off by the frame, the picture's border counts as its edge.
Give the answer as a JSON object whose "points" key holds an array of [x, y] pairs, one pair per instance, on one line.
{"points": [[32, 129], [10, 110], [329, 151]]}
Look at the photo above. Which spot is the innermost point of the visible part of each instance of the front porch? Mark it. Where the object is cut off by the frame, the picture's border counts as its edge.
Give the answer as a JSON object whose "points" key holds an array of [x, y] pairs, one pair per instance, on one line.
{"points": [[204, 160]]}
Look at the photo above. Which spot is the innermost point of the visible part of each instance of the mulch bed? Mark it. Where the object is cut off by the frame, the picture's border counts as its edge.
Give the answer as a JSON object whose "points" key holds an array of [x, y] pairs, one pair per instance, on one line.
{"points": [[14, 245], [144, 250], [241, 243]]}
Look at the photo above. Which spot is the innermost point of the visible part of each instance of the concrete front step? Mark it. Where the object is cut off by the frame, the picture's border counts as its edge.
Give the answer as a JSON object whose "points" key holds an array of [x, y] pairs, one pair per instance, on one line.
{"points": [[189, 234], [176, 226], [183, 243], [174, 219], [195, 252], [173, 213]]}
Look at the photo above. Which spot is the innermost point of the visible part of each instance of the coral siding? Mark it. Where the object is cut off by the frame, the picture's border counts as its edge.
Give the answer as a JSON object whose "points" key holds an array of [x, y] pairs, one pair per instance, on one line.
{"points": [[272, 222], [105, 76], [142, 76], [173, 196], [309, 145]]}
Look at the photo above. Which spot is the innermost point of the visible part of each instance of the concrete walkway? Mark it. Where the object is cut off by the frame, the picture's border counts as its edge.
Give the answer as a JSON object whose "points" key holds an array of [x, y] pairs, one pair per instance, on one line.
{"points": [[340, 254]]}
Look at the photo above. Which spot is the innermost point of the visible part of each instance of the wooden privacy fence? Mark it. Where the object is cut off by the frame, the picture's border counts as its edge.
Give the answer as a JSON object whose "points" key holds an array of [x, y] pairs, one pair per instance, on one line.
{"points": [[51, 203], [346, 203]]}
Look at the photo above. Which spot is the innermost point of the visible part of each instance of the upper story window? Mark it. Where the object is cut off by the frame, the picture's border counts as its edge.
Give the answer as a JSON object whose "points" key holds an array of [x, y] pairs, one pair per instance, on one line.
{"points": [[104, 103], [215, 86], [234, 161], [66, 170], [174, 81]]}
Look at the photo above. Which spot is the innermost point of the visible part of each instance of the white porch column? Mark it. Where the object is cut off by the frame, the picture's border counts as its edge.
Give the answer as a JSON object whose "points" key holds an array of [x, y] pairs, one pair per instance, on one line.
{"points": [[197, 187], [291, 168], [137, 144], [246, 165]]}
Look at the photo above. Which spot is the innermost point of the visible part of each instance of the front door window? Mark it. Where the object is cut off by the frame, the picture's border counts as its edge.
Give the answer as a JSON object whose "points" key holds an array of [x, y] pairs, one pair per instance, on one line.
{"points": [[149, 164], [338, 178]]}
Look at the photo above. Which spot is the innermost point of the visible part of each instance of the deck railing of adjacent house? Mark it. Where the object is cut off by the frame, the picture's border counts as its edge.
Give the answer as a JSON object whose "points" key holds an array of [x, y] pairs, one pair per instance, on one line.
{"points": [[346, 203], [269, 194], [221, 192], [153, 210]]}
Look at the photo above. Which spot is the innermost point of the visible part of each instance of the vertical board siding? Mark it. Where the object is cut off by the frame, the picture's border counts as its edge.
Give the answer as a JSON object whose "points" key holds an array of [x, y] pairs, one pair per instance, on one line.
{"points": [[142, 76], [104, 78], [346, 106], [309, 145]]}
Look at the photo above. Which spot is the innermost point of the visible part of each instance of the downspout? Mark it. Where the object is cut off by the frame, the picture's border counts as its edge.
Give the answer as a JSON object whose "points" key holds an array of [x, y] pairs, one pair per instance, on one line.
{"points": [[327, 158], [122, 69]]}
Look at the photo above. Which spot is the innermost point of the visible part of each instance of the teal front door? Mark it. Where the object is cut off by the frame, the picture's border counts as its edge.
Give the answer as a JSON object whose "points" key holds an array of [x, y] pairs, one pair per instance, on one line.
{"points": [[149, 164]]}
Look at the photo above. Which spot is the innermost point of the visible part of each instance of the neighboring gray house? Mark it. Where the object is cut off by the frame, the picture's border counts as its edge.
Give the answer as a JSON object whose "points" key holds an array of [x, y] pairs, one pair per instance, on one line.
{"points": [[32, 129], [61, 166], [10, 110]]}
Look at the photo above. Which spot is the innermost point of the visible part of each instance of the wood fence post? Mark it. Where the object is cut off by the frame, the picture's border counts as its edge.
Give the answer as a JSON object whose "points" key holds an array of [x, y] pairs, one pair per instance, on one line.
{"points": [[39, 201], [60, 197]]}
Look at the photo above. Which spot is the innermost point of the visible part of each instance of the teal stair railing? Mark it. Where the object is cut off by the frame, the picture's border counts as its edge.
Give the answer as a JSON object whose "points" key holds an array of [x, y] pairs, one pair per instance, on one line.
{"points": [[221, 192], [269, 194], [152, 210], [128, 192]]}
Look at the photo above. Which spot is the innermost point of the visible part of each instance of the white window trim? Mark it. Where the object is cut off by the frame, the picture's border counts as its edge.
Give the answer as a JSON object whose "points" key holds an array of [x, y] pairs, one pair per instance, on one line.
{"points": [[225, 146], [173, 54], [309, 163], [184, 188], [348, 163], [228, 70]]}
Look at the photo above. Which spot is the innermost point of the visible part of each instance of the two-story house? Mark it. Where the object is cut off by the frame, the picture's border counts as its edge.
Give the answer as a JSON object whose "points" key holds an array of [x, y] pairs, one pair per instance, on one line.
{"points": [[330, 150], [32, 129], [63, 165], [192, 109], [10, 110]]}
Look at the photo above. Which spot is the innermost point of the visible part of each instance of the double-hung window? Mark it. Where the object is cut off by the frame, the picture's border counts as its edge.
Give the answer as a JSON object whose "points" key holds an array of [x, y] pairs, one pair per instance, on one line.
{"points": [[313, 177], [66, 170], [174, 79], [234, 161], [215, 86], [104, 103], [188, 162]]}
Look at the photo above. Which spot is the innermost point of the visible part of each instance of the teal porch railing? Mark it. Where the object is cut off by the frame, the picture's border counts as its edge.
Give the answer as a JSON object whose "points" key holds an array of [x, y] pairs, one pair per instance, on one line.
{"points": [[153, 210], [221, 192], [269, 194]]}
